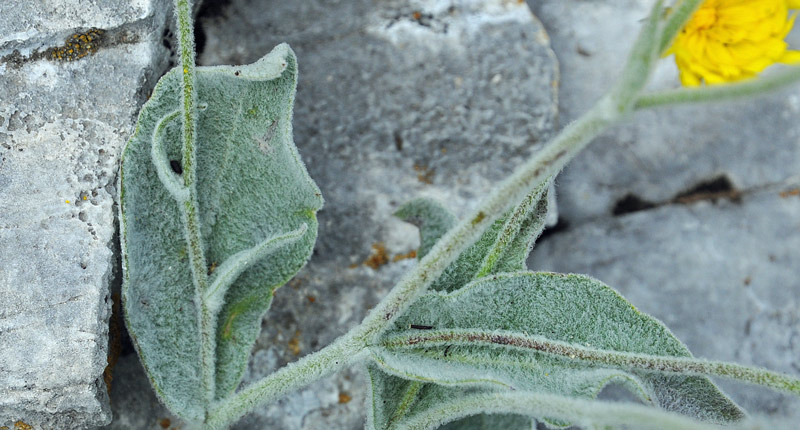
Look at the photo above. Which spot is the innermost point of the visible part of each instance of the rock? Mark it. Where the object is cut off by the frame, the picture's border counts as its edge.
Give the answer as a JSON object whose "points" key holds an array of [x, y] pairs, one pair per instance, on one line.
{"points": [[395, 100], [721, 275], [69, 104], [689, 212], [657, 154]]}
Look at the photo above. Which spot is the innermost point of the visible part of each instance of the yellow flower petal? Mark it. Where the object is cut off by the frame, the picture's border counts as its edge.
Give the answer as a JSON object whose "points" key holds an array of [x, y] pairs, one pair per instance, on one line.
{"points": [[791, 57], [731, 40]]}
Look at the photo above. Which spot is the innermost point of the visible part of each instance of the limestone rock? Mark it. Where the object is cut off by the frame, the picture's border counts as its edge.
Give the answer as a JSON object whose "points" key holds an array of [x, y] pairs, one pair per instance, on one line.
{"points": [[72, 79]]}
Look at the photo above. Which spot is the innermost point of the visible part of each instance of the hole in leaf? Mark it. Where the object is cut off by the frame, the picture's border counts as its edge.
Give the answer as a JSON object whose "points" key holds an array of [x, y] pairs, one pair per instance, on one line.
{"points": [[176, 166]]}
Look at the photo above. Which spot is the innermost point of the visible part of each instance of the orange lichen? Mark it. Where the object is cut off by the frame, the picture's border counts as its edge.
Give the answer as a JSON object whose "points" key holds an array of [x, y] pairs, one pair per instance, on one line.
{"points": [[19, 425], [311, 299], [789, 193], [294, 343], [408, 255], [344, 398], [424, 173], [164, 423], [78, 45], [378, 257]]}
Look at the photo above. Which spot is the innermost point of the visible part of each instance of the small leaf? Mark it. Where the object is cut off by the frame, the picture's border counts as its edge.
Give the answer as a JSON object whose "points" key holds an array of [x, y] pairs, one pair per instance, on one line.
{"points": [[433, 220], [257, 208], [504, 246], [391, 398], [565, 308], [393, 401]]}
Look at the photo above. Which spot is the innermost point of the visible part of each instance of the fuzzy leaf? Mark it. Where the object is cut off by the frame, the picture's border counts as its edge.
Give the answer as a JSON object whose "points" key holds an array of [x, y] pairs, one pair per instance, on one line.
{"points": [[503, 247], [254, 197], [394, 400], [566, 308], [432, 219], [492, 422]]}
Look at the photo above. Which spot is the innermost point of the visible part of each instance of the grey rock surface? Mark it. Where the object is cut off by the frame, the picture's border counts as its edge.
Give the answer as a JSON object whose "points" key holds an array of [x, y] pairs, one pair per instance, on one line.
{"points": [[706, 236], [657, 154], [62, 126], [395, 100], [721, 275]]}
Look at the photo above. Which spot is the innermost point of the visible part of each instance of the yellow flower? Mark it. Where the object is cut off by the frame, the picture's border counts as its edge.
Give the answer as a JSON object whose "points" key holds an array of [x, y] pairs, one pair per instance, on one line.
{"points": [[731, 40]]}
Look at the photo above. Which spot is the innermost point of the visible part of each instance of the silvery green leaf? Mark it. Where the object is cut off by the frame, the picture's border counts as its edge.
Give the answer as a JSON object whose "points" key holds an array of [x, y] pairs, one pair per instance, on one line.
{"points": [[507, 243], [564, 308], [432, 219], [492, 422], [503, 247], [393, 400], [257, 207]]}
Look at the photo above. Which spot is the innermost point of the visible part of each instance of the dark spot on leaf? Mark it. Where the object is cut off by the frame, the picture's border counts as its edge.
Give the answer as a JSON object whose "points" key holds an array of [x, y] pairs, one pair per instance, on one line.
{"points": [[176, 166]]}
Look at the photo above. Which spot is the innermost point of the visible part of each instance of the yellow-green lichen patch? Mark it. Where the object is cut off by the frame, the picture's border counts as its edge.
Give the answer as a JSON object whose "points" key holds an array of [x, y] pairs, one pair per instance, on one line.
{"points": [[21, 425], [78, 46]]}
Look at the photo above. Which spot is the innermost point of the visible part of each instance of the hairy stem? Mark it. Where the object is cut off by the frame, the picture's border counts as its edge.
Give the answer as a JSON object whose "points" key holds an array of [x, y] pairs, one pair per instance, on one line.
{"points": [[716, 93], [189, 207], [655, 363], [343, 352], [676, 20], [583, 413], [511, 228]]}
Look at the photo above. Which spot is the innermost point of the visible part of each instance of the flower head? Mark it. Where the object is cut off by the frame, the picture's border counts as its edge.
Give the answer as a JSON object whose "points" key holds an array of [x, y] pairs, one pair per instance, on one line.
{"points": [[731, 40]]}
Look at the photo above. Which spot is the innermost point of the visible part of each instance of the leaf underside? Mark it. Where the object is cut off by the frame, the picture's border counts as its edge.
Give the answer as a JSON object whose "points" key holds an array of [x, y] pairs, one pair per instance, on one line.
{"points": [[251, 186], [566, 308]]}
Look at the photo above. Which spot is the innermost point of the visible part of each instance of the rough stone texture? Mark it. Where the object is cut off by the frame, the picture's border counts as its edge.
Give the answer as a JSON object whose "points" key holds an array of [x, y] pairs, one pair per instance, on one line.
{"points": [[718, 267], [657, 154], [390, 105], [722, 276], [62, 126]]}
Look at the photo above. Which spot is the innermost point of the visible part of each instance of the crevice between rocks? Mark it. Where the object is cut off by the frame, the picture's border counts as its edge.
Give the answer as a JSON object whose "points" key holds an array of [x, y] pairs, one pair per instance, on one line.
{"points": [[75, 46], [717, 188]]}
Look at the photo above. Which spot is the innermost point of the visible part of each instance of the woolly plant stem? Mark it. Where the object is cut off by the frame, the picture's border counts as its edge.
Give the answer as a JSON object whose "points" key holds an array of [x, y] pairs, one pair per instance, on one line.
{"points": [[656, 363], [677, 18], [189, 206], [584, 413], [717, 93]]}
